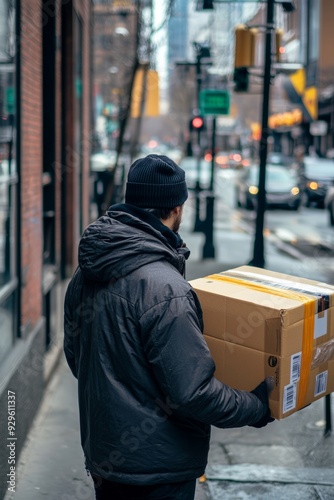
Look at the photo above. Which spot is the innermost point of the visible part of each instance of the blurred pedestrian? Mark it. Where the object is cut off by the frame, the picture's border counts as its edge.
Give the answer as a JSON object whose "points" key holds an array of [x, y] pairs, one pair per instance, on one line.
{"points": [[133, 339]]}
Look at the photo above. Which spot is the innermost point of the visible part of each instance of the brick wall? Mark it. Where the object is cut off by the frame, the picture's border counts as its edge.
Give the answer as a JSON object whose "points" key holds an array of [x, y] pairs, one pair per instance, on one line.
{"points": [[31, 161], [326, 40], [72, 154], [23, 371], [84, 11]]}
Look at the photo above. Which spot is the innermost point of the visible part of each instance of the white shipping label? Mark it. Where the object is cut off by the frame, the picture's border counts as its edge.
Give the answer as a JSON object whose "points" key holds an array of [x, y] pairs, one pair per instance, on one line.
{"points": [[321, 383], [320, 324], [296, 361], [289, 397], [286, 283]]}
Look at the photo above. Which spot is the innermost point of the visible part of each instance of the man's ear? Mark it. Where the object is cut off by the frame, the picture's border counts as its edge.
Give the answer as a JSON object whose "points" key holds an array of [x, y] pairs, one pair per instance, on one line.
{"points": [[177, 210]]}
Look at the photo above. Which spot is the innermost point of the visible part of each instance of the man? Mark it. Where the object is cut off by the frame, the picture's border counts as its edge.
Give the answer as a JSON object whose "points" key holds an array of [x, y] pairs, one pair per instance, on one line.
{"points": [[133, 338]]}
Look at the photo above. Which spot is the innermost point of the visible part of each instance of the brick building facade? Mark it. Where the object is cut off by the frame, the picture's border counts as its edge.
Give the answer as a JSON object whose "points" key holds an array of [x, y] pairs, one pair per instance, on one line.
{"points": [[45, 109]]}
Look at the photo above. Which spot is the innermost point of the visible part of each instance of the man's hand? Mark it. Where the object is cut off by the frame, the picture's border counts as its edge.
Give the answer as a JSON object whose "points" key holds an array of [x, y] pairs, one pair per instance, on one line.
{"points": [[262, 392]]}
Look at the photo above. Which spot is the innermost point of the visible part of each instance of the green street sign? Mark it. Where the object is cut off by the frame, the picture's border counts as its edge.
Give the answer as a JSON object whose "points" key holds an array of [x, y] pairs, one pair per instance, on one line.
{"points": [[10, 100], [214, 102]]}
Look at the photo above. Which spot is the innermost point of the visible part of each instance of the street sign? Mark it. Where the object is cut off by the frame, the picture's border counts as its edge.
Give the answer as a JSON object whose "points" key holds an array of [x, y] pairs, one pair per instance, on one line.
{"points": [[10, 100], [214, 102]]}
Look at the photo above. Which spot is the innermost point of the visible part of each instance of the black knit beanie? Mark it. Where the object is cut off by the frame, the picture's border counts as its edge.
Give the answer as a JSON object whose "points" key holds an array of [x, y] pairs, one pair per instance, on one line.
{"points": [[156, 181]]}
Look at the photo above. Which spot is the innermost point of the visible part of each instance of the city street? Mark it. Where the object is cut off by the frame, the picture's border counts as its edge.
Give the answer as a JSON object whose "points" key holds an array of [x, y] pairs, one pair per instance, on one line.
{"points": [[240, 95], [304, 239]]}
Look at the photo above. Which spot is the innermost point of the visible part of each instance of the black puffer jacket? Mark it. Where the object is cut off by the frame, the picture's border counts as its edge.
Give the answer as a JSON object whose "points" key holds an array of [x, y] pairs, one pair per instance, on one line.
{"points": [[133, 338]]}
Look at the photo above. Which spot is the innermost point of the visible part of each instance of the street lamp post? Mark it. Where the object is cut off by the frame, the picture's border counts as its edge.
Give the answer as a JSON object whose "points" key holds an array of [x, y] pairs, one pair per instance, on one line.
{"points": [[209, 247], [202, 52], [258, 259], [202, 57]]}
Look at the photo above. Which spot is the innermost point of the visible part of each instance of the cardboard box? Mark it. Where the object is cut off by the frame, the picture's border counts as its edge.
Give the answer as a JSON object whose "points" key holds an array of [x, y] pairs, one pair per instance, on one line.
{"points": [[259, 323], [244, 368]]}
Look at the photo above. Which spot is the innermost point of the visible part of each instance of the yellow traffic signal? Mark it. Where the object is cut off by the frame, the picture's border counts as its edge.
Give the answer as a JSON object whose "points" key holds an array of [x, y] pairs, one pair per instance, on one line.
{"points": [[280, 50], [245, 43], [253, 37], [151, 85]]}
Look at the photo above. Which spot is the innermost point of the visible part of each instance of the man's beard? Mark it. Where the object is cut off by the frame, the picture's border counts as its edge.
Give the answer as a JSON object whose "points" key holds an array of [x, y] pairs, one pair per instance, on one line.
{"points": [[177, 223]]}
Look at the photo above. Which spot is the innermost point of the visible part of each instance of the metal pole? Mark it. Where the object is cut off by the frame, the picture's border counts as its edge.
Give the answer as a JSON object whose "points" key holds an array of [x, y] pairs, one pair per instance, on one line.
{"points": [[332, 120], [328, 424], [198, 225], [213, 154], [258, 259], [209, 248]]}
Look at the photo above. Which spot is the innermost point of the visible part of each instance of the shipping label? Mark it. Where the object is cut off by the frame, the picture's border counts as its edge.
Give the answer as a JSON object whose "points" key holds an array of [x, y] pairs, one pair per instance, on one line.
{"points": [[289, 397], [296, 361], [320, 324], [321, 383]]}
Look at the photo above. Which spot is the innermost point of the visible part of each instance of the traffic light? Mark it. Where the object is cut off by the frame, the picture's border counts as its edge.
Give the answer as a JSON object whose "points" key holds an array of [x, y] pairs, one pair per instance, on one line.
{"points": [[245, 43], [241, 79], [196, 123], [280, 50], [244, 56], [204, 5]]}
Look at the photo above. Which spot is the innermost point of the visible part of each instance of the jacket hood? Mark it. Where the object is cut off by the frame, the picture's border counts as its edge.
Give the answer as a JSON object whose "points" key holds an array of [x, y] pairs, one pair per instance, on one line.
{"points": [[119, 242]]}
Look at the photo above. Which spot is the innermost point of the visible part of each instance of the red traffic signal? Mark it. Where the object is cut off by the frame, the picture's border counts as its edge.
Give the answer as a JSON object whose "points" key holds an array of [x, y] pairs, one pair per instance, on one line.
{"points": [[197, 123]]}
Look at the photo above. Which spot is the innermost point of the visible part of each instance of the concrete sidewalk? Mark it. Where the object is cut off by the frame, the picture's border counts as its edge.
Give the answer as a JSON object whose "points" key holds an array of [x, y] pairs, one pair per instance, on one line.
{"points": [[288, 459], [244, 463]]}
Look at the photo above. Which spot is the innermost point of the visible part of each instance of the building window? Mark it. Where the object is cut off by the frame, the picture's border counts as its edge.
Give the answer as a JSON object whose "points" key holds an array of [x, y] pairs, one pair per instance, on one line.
{"points": [[8, 178], [313, 42], [314, 30], [49, 134], [49, 162]]}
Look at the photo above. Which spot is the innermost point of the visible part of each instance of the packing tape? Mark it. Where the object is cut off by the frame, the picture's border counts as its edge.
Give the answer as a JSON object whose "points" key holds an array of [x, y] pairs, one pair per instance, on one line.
{"points": [[308, 325], [323, 354], [317, 291]]}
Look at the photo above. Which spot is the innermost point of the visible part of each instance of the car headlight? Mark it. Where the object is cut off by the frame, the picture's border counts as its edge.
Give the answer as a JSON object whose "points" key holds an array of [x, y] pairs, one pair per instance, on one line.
{"points": [[294, 191], [253, 189], [313, 185]]}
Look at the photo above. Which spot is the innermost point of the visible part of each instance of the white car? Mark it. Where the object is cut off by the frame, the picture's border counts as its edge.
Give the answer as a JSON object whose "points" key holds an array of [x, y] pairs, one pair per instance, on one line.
{"points": [[104, 160]]}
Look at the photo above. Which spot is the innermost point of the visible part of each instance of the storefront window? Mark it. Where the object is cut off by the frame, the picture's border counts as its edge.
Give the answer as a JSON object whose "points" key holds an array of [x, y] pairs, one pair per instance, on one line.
{"points": [[8, 177]]}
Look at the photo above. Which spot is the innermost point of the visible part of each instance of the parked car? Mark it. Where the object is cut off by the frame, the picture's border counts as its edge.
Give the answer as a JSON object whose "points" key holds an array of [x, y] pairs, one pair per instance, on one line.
{"points": [[190, 166], [275, 158], [103, 160], [282, 188], [222, 159], [329, 204], [231, 159], [317, 176]]}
